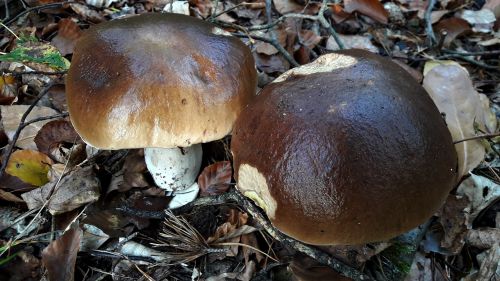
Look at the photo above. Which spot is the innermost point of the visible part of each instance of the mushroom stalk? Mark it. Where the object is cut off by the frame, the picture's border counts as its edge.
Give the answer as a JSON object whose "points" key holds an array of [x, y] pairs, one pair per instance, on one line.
{"points": [[174, 169]]}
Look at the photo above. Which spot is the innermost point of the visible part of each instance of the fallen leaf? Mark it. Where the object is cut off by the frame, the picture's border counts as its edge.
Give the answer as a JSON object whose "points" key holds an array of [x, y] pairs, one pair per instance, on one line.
{"points": [[452, 91], [454, 221], [483, 238], [10, 197], [87, 13], [275, 64], [481, 192], [437, 15], [74, 190], [57, 97], [481, 21], [11, 116], [338, 13], [371, 8], [12, 183], [454, 27], [30, 166], [287, 6], [54, 134], [59, 257], [215, 179], [421, 269], [8, 89], [177, 7], [351, 42], [93, 238], [490, 264], [66, 37]]}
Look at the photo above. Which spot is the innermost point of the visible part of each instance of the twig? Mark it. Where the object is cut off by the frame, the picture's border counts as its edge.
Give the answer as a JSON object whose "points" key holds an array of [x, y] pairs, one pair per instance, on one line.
{"points": [[275, 44], [261, 220], [428, 22], [37, 9], [480, 53], [485, 136], [11, 145], [471, 61], [327, 25]]}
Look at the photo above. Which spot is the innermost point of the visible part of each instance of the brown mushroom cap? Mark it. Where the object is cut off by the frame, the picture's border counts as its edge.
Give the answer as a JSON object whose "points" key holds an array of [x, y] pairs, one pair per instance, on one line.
{"points": [[347, 150], [157, 80]]}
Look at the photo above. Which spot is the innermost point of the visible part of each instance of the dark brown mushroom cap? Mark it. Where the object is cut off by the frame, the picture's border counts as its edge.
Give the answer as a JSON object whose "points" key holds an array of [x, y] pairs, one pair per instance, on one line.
{"points": [[157, 80], [347, 150]]}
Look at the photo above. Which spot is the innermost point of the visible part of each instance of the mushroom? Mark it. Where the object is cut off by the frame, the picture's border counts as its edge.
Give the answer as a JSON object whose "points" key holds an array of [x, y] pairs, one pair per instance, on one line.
{"points": [[349, 149], [163, 82]]}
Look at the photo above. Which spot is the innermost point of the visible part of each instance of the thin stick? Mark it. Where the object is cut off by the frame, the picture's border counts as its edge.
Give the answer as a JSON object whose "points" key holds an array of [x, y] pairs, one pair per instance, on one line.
{"points": [[485, 136], [428, 22]]}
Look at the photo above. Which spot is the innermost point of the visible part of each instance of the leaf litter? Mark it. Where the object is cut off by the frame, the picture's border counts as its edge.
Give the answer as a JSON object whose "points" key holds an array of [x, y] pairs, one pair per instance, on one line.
{"points": [[96, 185]]}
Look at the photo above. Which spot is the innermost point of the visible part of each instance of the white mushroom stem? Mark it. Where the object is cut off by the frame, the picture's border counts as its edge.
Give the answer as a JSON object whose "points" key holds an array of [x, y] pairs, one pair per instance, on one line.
{"points": [[174, 169]]}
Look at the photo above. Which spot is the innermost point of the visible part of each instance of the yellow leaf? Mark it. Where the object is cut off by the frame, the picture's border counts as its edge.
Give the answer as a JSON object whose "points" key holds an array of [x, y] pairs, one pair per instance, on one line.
{"points": [[30, 166]]}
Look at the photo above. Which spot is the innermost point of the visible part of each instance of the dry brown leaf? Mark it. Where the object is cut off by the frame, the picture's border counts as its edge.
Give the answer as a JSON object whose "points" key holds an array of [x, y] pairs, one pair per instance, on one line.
{"points": [[57, 97], [451, 89], [481, 192], [372, 8], [7, 196], [66, 37], [215, 179], [8, 89], [287, 6], [490, 264], [11, 116], [86, 13], [9, 182], [60, 256], [54, 134], [483, 238], [351, 42], [454, 221], [453, 27], [437, 15], [309, 38], [338, 13], [275, 64], [76, 189]]}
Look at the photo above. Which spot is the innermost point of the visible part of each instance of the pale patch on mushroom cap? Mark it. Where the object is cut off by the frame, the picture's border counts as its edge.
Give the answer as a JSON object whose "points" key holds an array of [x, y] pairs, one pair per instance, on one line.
{"points": [[254, 186], [325, 63]]}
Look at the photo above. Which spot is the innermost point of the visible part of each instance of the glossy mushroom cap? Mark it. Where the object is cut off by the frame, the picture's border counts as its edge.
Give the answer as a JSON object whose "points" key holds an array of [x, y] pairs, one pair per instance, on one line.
{"points": [[157, 80], [347, 150]]}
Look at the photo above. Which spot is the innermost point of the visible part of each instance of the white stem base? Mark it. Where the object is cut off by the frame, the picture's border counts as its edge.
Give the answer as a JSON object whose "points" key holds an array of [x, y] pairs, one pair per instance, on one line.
{"points": [[174, 169]]}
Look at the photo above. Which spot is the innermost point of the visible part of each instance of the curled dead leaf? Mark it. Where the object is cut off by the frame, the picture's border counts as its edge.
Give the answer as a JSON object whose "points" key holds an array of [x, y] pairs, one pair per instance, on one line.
{"points": [[59, 257], [215, 179], [372, 8], [54, 134], [454, 27], [66, 37]]}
